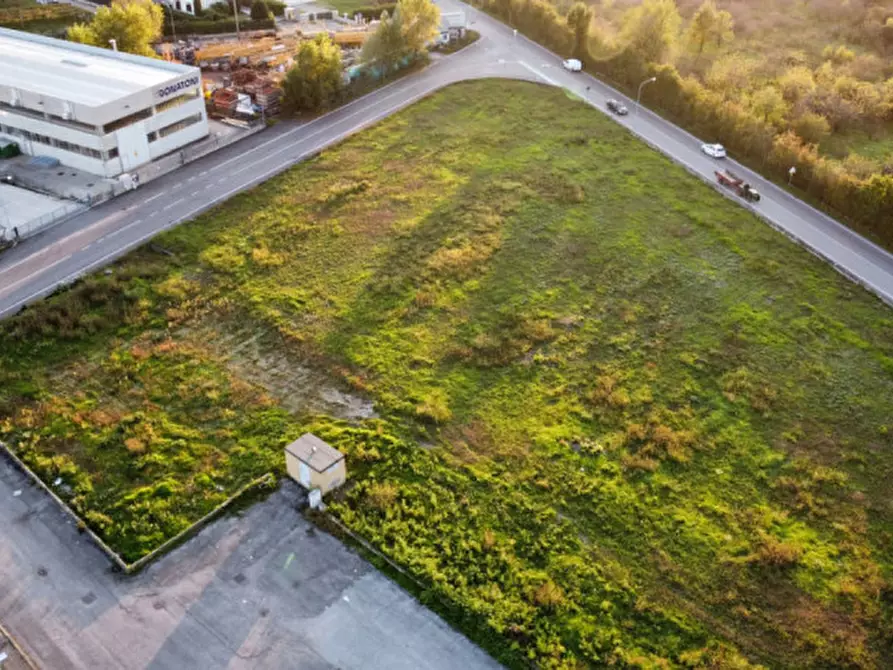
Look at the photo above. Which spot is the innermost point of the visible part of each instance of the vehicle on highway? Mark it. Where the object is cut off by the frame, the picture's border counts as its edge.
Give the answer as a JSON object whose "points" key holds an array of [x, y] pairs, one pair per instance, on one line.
{"points": [[731, 180], [617, 107], [572, 65], [714, 150]]}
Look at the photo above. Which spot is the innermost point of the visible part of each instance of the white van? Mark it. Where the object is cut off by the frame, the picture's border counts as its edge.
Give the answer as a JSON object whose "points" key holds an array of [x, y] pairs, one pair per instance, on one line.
{"points": [[572, 65]]}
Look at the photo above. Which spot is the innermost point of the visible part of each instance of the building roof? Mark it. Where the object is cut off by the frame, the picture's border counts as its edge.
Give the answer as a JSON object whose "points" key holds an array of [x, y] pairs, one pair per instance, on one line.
{"points": [[76, 72], [452, 20], [314, 452]]}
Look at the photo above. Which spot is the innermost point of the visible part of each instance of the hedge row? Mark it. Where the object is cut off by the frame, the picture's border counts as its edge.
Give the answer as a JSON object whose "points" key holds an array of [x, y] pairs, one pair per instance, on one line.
{"points": [[372, 13], [205, 27], [867, 202]]}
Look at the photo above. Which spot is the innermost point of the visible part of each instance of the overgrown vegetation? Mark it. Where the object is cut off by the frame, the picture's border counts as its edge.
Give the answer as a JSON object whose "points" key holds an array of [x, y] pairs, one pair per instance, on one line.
{"points": [[28, 16], [782, 84], [133, 25], [621, 420]]}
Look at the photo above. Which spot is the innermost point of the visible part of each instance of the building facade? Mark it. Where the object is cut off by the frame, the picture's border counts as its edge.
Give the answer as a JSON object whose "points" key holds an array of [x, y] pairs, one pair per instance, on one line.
{"points": [[315, 464], [97, 110]]}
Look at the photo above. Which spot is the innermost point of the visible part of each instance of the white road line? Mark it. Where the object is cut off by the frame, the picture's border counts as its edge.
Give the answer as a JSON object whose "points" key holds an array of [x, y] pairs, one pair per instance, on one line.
{"points": [[148, 200], [194, 193], [171, 204], [539, 74]]}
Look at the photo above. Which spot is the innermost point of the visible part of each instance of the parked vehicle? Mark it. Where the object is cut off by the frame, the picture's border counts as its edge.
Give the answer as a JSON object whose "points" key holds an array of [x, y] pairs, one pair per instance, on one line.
{"points": [[714, 150], [572, 65], [617, 107], [737, 184]]}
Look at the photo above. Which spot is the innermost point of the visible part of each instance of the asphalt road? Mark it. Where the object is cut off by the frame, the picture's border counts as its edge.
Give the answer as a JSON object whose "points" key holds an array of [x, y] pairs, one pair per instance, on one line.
{"points": [[95, 238]]}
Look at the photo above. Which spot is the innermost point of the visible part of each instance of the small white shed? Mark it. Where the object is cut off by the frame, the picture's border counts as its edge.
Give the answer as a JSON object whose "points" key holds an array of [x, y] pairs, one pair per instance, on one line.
{"points": [[314, 464]]}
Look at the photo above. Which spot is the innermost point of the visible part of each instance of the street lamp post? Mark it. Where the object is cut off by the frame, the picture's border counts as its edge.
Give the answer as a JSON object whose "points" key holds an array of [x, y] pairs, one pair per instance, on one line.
{"points": [[641, 86]]}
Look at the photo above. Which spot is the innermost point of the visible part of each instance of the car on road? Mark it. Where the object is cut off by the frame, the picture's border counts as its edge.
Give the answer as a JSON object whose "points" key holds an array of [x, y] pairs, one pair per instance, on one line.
{"points": [[572, 65], [617, 107], [714, 150]]}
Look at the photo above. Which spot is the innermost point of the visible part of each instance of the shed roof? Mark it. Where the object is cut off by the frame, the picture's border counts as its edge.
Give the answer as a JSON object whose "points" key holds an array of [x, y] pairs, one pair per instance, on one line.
{"points": [[314, 452], [452, 20]]}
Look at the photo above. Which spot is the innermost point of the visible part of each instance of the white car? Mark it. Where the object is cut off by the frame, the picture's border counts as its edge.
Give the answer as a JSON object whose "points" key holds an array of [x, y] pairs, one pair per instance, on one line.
{"points": [[572, 65], [714, 150]]}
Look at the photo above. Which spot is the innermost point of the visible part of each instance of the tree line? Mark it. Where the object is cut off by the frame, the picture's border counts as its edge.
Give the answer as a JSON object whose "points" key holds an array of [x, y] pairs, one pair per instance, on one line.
{"points": [[776, 126]]}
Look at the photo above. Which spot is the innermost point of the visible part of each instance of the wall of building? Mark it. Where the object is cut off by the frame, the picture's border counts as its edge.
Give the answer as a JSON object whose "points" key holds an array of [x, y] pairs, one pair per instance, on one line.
{"points": [[332, 478], [182, 121]]}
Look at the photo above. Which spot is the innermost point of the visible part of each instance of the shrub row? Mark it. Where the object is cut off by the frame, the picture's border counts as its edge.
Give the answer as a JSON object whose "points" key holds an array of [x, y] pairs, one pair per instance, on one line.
{"points": [[374, 12], [205, 27], [865, 201]]}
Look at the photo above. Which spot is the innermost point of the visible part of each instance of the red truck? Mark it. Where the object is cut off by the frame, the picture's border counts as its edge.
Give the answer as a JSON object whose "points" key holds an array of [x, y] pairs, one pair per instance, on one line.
{"points": [[737, 184]]}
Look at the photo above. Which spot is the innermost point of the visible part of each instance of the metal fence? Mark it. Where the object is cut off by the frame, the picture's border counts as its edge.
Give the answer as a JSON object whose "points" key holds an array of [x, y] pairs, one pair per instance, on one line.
{"points": [[188, 154], [20, 230]]}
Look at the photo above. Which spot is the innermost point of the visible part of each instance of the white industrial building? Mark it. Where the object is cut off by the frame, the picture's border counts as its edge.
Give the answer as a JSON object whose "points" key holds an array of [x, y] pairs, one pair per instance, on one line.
{"points": [[97, 110]]}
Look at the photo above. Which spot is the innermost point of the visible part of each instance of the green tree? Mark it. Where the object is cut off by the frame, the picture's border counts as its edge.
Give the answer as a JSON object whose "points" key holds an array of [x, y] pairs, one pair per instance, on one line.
{"points": [[768, 103], [811, 127], [133, 24], [796, 83], [709, 28], [386, 46], [315, 80], [579, 19], [651, 30], [419, 20], [260, 11]]}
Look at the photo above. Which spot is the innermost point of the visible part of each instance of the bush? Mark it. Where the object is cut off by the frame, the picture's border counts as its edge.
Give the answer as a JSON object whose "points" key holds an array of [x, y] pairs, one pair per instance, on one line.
{"points": [[374, 12], [214, 27], [260, 11]]}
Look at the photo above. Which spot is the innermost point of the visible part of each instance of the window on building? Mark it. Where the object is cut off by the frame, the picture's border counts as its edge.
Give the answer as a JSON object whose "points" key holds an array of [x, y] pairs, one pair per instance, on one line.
{"points": [[126, 121], [179, 125], [176, 102]]}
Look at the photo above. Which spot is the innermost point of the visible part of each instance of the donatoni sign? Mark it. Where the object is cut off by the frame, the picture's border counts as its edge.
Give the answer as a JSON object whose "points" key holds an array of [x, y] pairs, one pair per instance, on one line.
{"points": [[172, 89]]}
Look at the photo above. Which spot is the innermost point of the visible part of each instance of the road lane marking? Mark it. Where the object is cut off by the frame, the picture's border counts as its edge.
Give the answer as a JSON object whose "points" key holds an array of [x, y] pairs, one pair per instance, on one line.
{"points": [[194, 193], [172, 204], [539, 74], [148, 200]]}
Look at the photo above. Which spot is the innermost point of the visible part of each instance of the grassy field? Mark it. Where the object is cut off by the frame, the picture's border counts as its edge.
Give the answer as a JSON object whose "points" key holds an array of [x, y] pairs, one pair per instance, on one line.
{"points": [[621, 421], [29, 16]]}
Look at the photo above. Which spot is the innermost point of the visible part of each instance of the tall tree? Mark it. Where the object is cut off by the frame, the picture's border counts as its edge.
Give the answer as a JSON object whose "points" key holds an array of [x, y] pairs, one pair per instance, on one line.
{"points": [[315, 80], [651, 30], [133, 24], [579, 19], [386, 46], [260, 11], [768, 103], [709, 28], [419, 20]]}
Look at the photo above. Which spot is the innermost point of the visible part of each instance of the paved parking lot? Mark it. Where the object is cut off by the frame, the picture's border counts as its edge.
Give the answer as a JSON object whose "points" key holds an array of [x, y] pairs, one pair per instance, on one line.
{"points": [[260, 590]]}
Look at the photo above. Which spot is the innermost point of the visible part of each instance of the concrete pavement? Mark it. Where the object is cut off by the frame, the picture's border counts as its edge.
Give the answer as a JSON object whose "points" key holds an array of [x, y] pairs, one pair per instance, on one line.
{"points": [[254, 591], [87, 242]]}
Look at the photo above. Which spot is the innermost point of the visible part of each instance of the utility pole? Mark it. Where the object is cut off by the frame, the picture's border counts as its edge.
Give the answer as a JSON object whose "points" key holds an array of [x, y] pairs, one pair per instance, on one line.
{"points": [[236, 15], [641, 86]]}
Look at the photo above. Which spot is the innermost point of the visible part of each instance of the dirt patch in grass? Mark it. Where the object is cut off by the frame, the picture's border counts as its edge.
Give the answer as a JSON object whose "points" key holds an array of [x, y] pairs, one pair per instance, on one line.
{"points": [[620, 420]]}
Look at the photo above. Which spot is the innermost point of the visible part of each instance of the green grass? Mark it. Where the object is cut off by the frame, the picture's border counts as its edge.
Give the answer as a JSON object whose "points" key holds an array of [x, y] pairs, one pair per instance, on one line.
{"points": [[30, 17], [622, 421]]}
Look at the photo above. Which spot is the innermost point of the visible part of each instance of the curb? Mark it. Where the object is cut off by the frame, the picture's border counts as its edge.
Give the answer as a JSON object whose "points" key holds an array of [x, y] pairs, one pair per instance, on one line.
{"points": [[19, 650], [122, 565]]}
